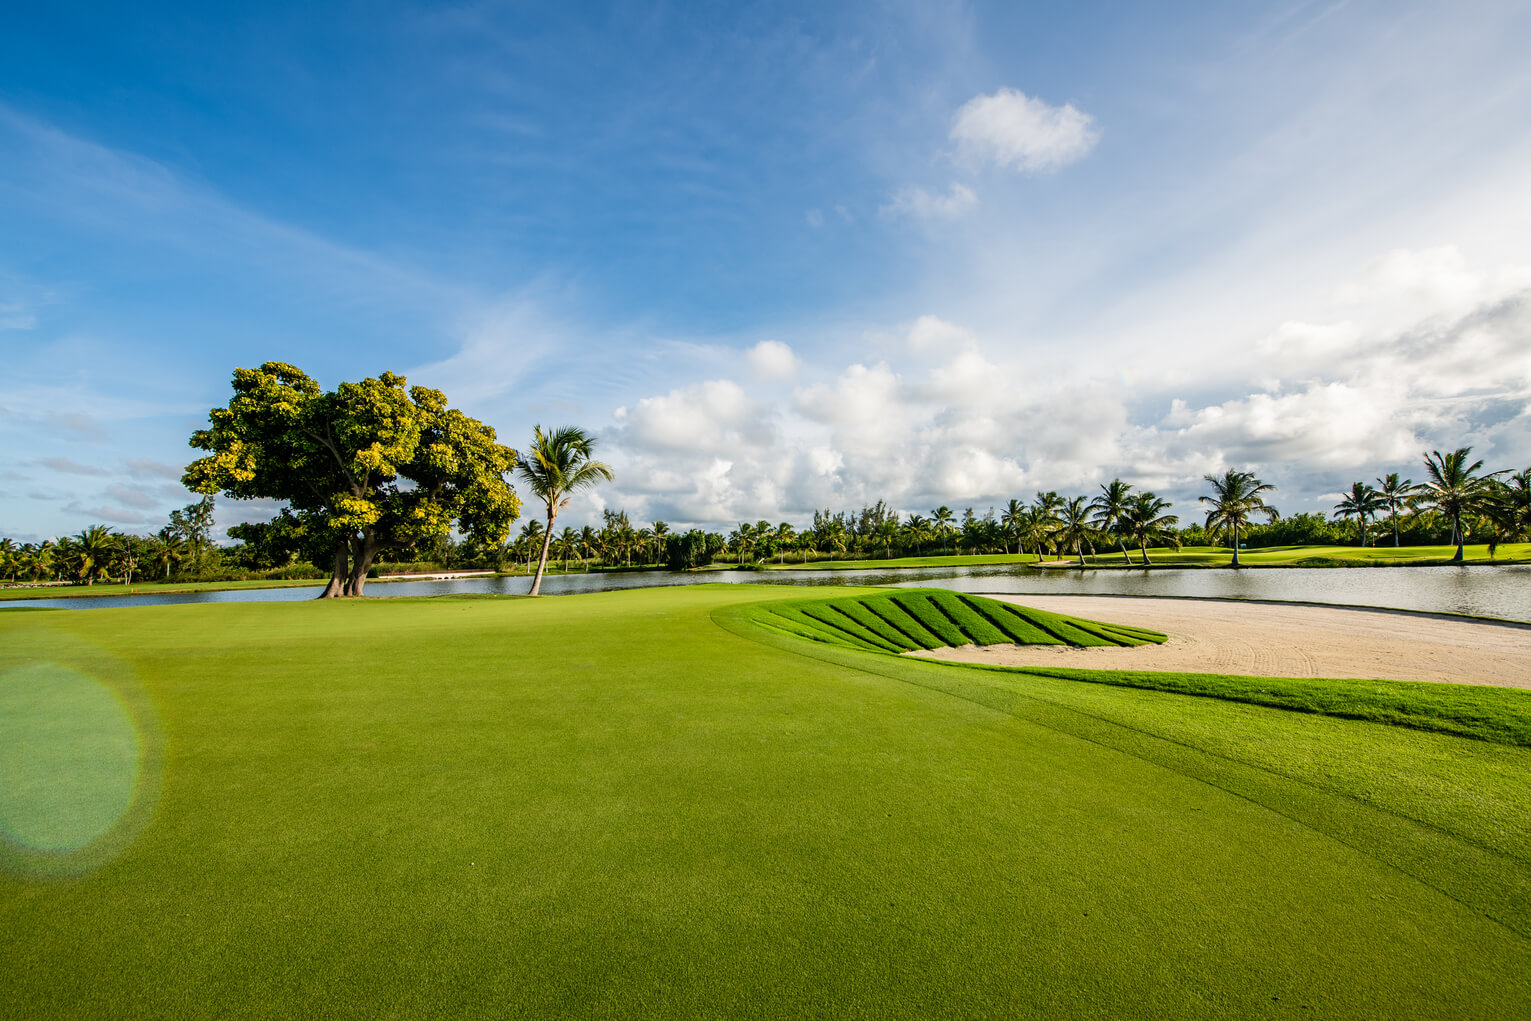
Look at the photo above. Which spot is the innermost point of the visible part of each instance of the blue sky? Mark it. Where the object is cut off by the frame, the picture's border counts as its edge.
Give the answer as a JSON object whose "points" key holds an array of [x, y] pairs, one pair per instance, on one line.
{"points": [[781, 257]]}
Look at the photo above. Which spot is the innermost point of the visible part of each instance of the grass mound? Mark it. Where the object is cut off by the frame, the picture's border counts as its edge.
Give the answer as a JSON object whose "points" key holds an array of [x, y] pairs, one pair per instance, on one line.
{"points": [[906, 620]]}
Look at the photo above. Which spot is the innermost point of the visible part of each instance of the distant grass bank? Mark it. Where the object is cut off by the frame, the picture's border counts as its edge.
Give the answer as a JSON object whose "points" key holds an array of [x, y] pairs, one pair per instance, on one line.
{"points": [[1192, 556]]}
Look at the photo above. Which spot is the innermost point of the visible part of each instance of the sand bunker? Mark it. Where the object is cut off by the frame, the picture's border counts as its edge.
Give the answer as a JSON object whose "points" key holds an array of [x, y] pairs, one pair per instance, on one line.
{"points": [[1232, 637]]}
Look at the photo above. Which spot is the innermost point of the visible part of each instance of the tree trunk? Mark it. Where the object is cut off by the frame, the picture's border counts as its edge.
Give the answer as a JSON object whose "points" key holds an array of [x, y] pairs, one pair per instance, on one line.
{"points": [[1395, 529], [1235, 545], [1144, 548], [336, 586], [1456, 528], [542, 560], [361, 562]]}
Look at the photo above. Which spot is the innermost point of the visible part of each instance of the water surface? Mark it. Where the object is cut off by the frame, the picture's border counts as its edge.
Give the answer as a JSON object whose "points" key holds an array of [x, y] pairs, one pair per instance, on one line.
{"points": [[1485, 591]]}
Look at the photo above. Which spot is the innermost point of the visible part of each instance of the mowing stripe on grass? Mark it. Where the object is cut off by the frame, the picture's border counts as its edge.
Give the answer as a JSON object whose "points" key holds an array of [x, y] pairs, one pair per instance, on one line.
{"points": [[936, 622], [896, 616], [831, 632], [829, 617], [869, 620], [1013, 625], [851, 621]]}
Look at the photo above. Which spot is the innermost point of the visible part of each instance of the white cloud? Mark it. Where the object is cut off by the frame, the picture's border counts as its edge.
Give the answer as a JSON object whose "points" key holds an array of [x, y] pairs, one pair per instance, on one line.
{"points": [[1012, 129], [716, 416], [931, 334], [772, 360], [953, 415], [917, 202], [815, 218]]}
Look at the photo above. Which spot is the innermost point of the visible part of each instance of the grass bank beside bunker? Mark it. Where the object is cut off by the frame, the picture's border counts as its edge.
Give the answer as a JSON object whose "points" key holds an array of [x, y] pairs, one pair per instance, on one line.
{"points": [[609, 805]]}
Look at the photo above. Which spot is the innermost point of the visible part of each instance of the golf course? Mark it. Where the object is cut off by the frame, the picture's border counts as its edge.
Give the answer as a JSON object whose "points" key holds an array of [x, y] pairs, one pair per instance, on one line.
{"points": [[735, 801]]}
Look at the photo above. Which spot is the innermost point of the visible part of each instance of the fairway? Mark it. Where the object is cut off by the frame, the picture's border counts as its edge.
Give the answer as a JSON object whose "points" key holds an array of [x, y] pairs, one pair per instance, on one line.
{"points": [[645, 804]]}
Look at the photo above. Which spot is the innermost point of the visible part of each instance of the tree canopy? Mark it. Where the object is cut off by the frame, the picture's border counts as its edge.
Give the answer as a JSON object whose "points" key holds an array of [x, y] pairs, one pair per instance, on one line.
{"points": [[365, 467]]}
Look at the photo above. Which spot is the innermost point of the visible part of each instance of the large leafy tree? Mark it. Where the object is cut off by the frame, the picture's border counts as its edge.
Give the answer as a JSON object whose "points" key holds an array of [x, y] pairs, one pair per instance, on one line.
{"points": [[365, 467], [556, 466], [1236, 497], [1361, 503], [1455, 489]]}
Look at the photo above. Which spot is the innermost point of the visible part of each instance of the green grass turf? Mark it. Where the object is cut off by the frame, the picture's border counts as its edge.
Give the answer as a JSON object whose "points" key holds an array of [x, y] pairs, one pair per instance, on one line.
{"points": [[645, 804]]}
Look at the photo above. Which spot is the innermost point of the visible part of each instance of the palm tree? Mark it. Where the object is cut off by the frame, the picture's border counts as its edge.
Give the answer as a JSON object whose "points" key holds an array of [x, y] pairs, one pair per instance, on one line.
{"points": [[1509, 509], [1110, 509], [1395, 495], [1236, 496], [589, 545], [555, 467], [1048, 505], [93, 551], [1074, 531], [1454, 488], [941, 524], [10, 558], [917, 532], [1145, 520], [1360, 503], [786, 535], [1037, 528], [1011, 521], [568, 542]]}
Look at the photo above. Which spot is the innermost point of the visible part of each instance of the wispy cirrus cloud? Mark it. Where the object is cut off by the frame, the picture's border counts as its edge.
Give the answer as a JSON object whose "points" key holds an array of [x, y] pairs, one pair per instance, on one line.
{"points": [[917, 202]]}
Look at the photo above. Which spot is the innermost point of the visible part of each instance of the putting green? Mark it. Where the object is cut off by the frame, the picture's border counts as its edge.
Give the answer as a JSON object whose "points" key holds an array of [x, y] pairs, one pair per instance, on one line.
{"points": [[642, 804]]}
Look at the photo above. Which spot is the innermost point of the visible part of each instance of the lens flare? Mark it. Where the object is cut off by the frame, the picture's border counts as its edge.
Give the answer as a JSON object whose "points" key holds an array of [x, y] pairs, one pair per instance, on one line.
{"points": [[79, 755]]}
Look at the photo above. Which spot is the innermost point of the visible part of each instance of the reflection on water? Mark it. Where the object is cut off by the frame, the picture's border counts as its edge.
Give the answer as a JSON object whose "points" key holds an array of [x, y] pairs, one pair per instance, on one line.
{"points": [[1486, 591]]}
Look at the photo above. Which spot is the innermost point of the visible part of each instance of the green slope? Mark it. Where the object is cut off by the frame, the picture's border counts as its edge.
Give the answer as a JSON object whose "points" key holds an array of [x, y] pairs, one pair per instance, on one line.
{"points": [[903, 620]]}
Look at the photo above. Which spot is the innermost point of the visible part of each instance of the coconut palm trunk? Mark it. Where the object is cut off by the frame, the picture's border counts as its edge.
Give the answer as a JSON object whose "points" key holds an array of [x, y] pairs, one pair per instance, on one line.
{"points": [[557, 465]]}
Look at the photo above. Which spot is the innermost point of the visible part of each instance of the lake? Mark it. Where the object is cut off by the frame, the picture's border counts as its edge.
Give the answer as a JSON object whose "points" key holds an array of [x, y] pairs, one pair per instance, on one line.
{"points": [[1484, 591]]}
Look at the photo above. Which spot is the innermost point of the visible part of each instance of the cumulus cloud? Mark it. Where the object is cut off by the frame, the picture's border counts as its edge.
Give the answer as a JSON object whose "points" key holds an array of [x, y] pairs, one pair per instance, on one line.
{"points": [[715, 416], [921, 204], [772, 360], [949, 414], [1014, 130]]}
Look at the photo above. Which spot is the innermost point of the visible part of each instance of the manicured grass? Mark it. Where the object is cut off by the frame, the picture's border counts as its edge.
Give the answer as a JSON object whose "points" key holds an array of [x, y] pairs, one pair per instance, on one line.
{"points": [[644, 803], [931, 618]]}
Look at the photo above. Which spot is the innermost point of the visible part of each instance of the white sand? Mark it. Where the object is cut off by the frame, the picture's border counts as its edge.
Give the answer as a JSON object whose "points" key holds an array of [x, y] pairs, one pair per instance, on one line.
{"points": [[1263, 639]]}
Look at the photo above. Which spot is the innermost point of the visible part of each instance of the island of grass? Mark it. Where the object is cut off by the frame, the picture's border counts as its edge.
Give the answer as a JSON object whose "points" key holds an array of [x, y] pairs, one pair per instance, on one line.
{"points": [[646, 803]]}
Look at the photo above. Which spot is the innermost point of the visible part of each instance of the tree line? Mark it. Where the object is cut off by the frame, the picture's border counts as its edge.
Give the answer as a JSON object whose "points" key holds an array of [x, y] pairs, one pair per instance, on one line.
{"points": [[379, 468]]}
